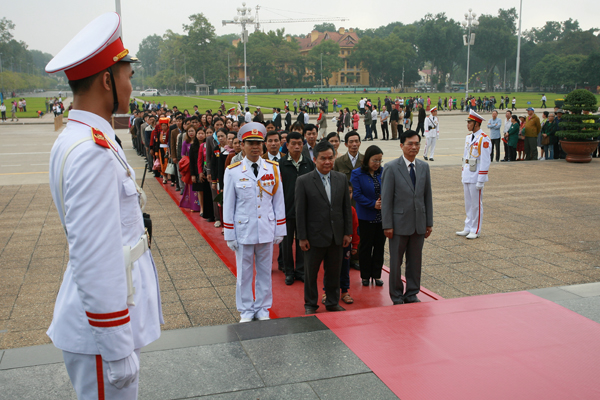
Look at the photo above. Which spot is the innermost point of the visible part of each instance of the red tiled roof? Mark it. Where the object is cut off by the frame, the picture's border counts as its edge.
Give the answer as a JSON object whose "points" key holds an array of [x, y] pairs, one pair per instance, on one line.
{"points": [[347, 39]]}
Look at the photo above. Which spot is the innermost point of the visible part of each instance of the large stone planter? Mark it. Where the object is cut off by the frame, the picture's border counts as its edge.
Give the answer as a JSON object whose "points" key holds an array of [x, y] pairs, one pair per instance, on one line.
{"points": [[579, 152]]}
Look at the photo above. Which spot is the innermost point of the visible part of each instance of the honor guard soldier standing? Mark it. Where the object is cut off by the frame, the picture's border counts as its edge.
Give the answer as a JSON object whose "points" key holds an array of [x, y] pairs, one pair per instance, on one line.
{"points": [[432, 133], [475, 166], [108, 306], [254, 219]]}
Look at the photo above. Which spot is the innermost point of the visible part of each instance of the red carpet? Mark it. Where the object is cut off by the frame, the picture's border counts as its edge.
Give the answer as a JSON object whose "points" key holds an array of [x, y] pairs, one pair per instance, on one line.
{"points": [[288, 301], [500, 346]]}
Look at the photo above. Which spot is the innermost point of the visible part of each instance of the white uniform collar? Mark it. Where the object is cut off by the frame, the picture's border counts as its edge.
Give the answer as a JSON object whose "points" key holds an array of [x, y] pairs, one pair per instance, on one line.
{"points": [[92, 120]]}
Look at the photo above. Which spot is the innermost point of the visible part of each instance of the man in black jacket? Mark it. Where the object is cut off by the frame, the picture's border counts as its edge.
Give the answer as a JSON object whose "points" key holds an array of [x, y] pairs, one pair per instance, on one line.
{"points": [[291, 167], [324, 224], [421, 120]]}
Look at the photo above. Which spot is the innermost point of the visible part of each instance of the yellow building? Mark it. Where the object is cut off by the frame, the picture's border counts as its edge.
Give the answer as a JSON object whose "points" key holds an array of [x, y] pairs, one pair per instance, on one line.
{"points": [[348, 75]]}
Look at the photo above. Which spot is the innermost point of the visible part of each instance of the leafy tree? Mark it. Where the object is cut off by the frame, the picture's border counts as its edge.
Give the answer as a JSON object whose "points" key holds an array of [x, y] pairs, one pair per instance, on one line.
{"points": [[385, 60], [332, 62], [272, 60], [495, 41], [440, 41], [149, 53], [6, 25], [589, 70], [325, 27]]}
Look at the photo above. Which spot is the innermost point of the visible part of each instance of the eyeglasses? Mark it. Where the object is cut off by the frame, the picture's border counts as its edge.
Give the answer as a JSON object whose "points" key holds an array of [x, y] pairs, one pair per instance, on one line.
{"points": [[376, 161]]}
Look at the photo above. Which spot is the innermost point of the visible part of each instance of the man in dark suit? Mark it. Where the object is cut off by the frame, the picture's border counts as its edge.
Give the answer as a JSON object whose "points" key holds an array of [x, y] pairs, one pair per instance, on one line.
{"points": [[407, 216], [288, 119], [421, 119], [291, 167], [324, 223], [352, 159], [277, 120], [310, 135], [300, 117]]}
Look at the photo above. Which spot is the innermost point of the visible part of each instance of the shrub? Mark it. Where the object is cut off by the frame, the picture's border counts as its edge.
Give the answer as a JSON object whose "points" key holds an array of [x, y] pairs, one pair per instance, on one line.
{"points": [[575, 125]]}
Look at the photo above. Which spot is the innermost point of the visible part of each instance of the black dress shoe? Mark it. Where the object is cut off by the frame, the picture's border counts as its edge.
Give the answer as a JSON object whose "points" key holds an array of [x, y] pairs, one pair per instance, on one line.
{"points": [[398, 302], [425, 158], [289, 279], [337, 307], [310, 310], [431, 159], [378, 282], [365, 282], [355, 265], [412, 299], [299, 278]]}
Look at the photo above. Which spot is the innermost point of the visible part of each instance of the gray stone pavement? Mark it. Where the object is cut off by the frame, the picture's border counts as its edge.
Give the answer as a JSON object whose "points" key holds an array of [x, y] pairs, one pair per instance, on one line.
{"points": [[539, 231], [290, 358]]}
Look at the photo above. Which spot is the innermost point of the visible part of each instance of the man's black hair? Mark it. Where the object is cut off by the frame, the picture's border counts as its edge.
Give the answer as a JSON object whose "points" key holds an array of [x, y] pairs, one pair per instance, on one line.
{"points": [[179, 116], [294, 135], [80, 86], [247, 108], [308, 127], [272, 133], [408, 134], [323, 145], [195, 118], [349, 135]]}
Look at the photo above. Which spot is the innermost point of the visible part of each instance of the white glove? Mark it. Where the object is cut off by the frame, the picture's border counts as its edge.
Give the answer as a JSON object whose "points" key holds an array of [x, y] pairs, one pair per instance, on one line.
{"points": [[123, 372], [278, 239], [479, 185], [232, 244]]}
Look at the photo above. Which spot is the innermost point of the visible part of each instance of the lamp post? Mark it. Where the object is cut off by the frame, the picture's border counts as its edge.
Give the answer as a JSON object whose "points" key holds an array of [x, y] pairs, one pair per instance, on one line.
{"points": [[1, 76], [243, 18], [519, 48], [469, 39], [321, 72]]}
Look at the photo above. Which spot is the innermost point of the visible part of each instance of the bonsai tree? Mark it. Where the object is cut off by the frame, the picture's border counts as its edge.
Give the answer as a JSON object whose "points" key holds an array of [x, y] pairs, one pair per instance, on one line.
{"points": [[579, 124]]}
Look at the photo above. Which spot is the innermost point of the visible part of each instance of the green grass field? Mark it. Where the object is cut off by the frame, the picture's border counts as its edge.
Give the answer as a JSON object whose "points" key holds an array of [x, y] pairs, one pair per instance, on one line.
{"points": [[268, 101], [33, 105]]}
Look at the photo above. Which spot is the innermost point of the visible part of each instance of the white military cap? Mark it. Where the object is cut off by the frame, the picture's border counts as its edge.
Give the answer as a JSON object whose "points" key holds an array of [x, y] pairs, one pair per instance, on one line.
{"points": [[95, 48], [473, 116]]}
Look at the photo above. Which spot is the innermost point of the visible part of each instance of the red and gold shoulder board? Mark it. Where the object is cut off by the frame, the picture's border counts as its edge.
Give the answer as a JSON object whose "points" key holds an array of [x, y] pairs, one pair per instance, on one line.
{"points": [[483, 134], [99, 138], [272, 162], [235, 164]]}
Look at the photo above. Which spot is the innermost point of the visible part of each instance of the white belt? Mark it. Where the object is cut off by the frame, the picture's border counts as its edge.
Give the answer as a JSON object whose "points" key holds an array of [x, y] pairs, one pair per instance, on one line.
{"points": [[164, 146], [132, 254]]}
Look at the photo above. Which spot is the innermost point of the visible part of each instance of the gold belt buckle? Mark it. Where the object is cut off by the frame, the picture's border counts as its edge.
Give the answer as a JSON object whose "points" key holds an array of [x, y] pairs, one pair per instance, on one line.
{"points": [[147, 236]]}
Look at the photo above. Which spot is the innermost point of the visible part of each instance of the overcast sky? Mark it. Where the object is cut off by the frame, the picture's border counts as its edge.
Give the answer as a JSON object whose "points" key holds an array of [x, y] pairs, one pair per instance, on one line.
{"points": [[48, 25]]}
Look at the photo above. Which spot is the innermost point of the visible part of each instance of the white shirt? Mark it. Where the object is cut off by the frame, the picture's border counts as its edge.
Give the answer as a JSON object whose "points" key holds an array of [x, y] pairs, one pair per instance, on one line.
{"points": [[306, 118], [361, 104], [414, 163], [271, 156], [374, 115], [248, 117], [507, 125], [3, 108], [353, 159]]}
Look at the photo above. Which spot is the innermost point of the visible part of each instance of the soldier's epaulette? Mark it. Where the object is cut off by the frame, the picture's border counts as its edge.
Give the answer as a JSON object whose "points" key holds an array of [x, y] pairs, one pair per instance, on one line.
{"points": [[99, 138], [235, 164], [272, 162], [483, 134]]}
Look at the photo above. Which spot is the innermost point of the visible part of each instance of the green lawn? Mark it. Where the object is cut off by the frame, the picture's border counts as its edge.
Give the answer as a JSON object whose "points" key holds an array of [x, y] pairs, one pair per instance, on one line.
{"points": [[33, 105], [268, 101]]}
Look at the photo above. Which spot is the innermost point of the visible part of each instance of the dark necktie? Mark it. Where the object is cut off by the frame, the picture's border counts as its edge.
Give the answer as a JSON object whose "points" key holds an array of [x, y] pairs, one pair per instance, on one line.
{"points": [[275, 159], [413, 177], [255, 168]]}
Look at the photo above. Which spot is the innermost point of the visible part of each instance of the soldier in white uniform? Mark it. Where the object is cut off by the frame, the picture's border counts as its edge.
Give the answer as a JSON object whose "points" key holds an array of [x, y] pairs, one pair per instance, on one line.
{"points": [[108, 306], [475, 166], [432, 133], [254, 219]]}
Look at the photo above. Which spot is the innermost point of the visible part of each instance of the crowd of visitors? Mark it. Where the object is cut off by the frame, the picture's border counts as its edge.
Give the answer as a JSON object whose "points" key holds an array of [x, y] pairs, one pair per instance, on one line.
{"points": [[193, 153]]}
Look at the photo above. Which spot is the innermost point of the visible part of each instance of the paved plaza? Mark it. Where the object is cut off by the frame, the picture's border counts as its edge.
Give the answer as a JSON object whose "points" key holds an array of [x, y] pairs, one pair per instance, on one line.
{"points": [[539, 234]]}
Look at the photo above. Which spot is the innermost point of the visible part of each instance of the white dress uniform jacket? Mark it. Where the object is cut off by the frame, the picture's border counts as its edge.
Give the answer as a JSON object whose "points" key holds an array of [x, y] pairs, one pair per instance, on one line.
{"points": [[432, 128], [478, 147], [248, 216], [102, 214]]}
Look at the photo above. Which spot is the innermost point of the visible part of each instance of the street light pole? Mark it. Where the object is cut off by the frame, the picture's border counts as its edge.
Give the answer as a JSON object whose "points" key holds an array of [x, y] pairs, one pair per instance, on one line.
{"points": [[321, 72], [243, 18], [470, 21], [1, 76], [519, 48]]}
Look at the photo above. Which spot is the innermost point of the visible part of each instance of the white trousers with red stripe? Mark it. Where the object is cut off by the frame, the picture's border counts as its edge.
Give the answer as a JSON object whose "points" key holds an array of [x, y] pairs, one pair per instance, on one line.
{"points": [[473, 208], [246, 257], [88, 377]]}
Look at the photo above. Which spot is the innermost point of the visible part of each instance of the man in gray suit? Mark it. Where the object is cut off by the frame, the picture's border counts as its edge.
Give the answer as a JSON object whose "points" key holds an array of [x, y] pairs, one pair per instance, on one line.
{"points": [[407, 215], [324, 225]]}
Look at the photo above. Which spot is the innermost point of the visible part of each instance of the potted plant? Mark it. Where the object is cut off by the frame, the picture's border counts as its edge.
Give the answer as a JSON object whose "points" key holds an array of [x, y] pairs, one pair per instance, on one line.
{"points": [[579, 128]]}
